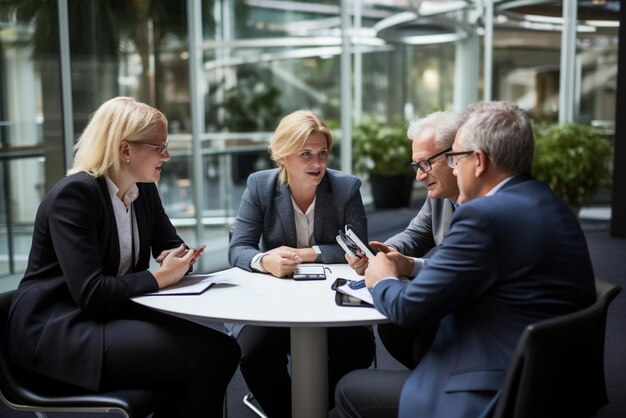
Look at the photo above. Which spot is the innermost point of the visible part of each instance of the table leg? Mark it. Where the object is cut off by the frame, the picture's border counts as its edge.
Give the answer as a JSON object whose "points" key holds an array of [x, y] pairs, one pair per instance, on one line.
{"points": [[309, 372]]}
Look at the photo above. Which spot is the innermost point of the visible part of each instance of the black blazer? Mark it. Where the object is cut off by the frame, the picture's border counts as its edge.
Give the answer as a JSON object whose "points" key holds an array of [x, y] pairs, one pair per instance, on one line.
{"points": [[70, 288]]}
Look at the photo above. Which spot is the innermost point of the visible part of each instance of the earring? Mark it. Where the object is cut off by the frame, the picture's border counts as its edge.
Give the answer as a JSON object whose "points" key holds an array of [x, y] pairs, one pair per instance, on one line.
{"points": [[128, 160]]}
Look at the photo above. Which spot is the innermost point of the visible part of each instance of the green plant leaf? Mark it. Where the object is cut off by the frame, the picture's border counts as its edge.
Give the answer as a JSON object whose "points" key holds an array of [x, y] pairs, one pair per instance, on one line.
{"points": [[381, 148], [573, 159]]}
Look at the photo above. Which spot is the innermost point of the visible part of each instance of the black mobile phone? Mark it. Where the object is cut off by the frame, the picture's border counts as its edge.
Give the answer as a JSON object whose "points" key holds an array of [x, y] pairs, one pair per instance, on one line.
{"points": [[305, 272], [342, 299]]}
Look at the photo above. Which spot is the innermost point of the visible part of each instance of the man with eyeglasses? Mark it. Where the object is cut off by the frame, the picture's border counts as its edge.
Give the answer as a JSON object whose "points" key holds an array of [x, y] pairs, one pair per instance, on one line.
{"points": [[515, 254], [432, 136]]}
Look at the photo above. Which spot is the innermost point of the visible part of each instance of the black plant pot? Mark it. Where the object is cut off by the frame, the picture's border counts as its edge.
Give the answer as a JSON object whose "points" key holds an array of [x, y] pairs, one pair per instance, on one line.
{"points": [[391, 191]]}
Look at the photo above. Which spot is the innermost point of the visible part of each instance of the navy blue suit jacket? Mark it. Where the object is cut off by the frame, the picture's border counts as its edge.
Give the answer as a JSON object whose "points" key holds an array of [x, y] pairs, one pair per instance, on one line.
{"points": [[71, 287], [266, 219], [510, 259]]}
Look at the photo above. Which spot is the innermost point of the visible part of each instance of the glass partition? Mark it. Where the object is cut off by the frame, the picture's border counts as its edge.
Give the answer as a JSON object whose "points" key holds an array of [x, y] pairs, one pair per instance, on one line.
{"points": [[260, 61]]}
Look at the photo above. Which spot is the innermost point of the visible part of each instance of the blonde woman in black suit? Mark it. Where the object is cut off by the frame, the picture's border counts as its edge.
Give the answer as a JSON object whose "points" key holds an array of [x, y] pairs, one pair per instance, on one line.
{"points": [[290, 215], [72, 320]]}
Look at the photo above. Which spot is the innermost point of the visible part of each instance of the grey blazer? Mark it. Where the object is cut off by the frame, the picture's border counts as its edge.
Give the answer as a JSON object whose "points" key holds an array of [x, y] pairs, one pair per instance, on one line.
{"points": [[266, 219], [426, 230]]}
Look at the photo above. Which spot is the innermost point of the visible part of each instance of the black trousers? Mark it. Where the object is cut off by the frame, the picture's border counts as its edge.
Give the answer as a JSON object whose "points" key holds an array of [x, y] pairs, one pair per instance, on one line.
{"points": [[187, 364], [406, 346], [369, 394], [264, 362]]}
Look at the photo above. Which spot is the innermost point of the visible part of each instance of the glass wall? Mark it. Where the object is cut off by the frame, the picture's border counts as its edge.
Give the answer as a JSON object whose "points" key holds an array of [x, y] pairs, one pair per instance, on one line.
{"points": [[260, 60]]}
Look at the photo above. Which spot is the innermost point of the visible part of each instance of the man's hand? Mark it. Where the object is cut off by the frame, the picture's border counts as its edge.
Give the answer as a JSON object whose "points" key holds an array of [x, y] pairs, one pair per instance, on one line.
{"points": [[359, 262], [381, 247], [381, 266], [404, 264]]}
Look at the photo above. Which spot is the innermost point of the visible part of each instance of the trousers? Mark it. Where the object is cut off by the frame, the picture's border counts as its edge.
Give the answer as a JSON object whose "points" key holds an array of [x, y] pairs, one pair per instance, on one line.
{"points": [[187, 364]]}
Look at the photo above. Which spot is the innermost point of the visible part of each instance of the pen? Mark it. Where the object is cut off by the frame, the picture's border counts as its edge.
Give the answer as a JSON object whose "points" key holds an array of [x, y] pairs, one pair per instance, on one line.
{"points": [[356, 284]]}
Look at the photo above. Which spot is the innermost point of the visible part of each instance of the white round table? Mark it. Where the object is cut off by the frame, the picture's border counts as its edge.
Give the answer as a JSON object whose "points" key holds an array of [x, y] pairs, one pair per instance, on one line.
{"points": [[307, 307]]}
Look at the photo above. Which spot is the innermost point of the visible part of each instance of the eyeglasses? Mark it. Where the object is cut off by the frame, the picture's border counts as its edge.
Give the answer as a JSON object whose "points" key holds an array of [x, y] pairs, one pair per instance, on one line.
{"points": [[161, 148], [426, 165], [451, 157]]}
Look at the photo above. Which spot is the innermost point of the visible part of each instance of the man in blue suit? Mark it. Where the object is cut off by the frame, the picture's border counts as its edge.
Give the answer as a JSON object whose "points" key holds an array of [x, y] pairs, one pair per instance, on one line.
{"points": [[514, 255]]}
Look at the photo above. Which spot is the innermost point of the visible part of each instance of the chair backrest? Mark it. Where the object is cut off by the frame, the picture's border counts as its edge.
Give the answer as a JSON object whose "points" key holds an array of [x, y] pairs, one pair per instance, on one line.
{"points": [[6, 378], [25, 393], [558, 367]]}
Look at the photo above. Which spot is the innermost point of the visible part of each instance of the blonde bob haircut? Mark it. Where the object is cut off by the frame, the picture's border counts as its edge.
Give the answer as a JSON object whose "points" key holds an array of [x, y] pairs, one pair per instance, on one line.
{"points": [[291, 134], [116, 120]]}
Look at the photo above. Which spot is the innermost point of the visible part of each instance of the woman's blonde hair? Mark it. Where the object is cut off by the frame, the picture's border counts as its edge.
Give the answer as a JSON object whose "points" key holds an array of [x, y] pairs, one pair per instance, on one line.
{"points": [[116, 120], [291, 134]]}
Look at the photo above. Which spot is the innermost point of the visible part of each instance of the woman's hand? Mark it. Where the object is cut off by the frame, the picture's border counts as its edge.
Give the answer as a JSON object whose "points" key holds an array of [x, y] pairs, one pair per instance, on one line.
{"points": [[280, 263], [198, 251], [174, 265], [307, 255]]}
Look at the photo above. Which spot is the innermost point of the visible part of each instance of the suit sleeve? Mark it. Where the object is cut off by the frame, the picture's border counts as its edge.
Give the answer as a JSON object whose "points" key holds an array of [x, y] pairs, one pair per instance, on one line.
{"points": [[76, 214], [417, 239], [246, 235], [462, 270]]}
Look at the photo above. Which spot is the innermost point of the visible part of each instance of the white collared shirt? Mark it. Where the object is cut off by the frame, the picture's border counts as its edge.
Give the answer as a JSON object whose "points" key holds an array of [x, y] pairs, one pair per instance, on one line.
{"points": [[125, 219], [305, 223], [499, 186]]}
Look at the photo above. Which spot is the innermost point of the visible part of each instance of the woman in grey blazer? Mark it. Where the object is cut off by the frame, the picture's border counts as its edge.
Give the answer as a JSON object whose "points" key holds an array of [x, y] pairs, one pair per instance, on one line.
{"points": [[287, 216]]}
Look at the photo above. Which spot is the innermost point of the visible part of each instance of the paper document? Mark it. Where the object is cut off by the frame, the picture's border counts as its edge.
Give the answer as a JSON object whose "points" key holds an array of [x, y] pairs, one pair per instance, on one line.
{"points": [[193, 284], [362, 293]]}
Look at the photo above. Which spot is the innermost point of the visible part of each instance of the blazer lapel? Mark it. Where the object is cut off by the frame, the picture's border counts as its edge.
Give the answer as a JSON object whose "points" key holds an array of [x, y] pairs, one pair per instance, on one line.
{"points": [[323, 198], [284, 213], [112, 255]]}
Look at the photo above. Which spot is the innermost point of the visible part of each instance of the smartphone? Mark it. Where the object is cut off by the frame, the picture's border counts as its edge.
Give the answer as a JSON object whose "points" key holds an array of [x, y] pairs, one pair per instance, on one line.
{"points": [[347, 244], [196, 248], [307, 272]]}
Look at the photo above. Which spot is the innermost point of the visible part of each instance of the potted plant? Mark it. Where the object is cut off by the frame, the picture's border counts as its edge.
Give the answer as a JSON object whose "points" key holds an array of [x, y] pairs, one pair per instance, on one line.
{"points": [[383, 151], [574, 160]]}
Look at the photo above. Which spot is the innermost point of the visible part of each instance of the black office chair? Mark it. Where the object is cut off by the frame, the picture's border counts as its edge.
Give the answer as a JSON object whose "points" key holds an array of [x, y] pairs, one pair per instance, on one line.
{"points": [[558, 367], [24, 394]]}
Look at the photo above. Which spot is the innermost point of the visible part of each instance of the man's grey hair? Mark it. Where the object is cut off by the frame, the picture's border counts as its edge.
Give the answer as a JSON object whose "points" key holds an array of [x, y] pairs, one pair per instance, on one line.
{"points": [[503, 131], [445, 124]]}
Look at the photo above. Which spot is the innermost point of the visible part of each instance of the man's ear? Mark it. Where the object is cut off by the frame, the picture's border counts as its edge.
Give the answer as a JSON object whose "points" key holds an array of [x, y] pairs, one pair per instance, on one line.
{"points": [[482, 162]]}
